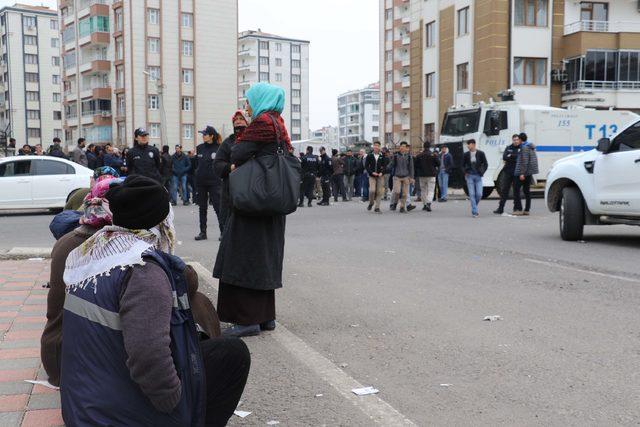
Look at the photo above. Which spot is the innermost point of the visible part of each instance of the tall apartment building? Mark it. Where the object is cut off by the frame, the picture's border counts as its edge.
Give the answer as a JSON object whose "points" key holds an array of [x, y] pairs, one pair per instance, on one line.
{"points": [[326, 134], [359, 115], [30, 81], [439, 53], [282, 62], [151, 63]]}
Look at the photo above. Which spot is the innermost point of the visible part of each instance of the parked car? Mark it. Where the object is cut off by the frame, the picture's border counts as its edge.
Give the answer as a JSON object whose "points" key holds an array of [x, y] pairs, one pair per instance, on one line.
{"points": [[39, 182]]}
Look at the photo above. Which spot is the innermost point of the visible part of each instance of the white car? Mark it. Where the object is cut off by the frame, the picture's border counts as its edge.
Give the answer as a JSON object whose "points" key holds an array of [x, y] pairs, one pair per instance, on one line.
{"points": [[40, 182], [597, 187]]}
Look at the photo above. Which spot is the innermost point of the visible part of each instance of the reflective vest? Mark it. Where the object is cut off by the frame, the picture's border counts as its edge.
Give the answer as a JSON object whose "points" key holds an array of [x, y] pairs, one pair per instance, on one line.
{"points": [[96, 388]]}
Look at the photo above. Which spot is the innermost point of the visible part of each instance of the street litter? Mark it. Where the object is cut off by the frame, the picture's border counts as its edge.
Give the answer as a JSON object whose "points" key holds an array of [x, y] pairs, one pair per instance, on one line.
{"points": [[493, 318], [43, 383], [445, 385], [36, 259], [389, 252], [344, 365], [319, 395], [273, 423], [364, 391], [355, 326], [242, 414], [179, 242]]}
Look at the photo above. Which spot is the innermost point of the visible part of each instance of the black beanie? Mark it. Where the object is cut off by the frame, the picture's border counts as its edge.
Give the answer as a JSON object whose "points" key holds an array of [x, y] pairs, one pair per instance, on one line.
{"points": [[138, 203]]}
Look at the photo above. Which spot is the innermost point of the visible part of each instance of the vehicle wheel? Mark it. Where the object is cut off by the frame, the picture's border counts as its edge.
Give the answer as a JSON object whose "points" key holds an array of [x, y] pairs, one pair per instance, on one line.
{"points": [[486, 192], [571, 214], [501, 183]]}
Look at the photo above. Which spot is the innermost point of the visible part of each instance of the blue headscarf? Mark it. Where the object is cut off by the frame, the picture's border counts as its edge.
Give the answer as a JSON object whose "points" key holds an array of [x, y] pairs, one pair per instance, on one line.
{"points": [[264, 97]]}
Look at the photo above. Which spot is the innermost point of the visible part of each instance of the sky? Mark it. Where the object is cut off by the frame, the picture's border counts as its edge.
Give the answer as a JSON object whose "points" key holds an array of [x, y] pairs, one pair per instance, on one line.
{"points": [[344, 43]]}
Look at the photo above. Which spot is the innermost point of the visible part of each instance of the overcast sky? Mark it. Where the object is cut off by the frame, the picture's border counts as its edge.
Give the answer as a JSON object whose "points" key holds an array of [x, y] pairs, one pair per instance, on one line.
{"points": [[344, 43]]}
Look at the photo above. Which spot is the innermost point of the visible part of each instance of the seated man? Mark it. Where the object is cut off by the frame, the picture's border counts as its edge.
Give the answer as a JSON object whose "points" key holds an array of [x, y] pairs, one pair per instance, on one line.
{"points": [[131, 354]]}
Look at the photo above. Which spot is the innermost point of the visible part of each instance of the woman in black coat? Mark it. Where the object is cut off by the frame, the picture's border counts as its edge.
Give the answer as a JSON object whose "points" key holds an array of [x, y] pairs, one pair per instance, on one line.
{"points": [[250, 258]]}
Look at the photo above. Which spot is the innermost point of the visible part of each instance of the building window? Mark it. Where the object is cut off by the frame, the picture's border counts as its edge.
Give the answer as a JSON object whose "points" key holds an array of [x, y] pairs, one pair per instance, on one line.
{"points": [[55, 42], [389, 55], [295, 123], [278, 62], [33, 133], [120, 105], [603, 65], [629, 69], [429, 132], [30, 40], [295, 48], [295, 93], [55, 61], [264, 60], [264, 77], [278, 47], [93, 24], [187, 131], [117, 14], [154, 102], [532, 13], [54, 24], [55, 79], [187, 20], [264, 45], [187, 103], [530, 71], [119, 77], [295, 108], [278, 77], [30, 59], [430, 85], [31, 77], [295, 63], [430, 34], [33, 96], [154, 45], [119, 49], [56, 97], [57, 115], [154, 130], [295, 78], [594, 11], [154, 73], [33, 114], [187, 76], [463, 76], [29, 22], [153, 15], [296, 137], [463, 21], [187, 48], [57, 133]]}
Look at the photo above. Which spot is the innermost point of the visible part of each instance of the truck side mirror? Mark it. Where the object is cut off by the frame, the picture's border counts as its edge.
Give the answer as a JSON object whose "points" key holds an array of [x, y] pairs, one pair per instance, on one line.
{"points": [[492, 123], [604, 145]]}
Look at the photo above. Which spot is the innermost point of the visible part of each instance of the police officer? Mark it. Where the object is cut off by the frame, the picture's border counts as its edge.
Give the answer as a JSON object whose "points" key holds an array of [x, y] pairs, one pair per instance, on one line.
{"points": [[143, 159], [325, 170], [208, 184], [310, 164]]}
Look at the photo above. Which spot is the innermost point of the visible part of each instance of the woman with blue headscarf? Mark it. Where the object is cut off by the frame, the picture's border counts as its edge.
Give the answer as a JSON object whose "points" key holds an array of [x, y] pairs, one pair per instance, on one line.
{"points": [[249, 261]]}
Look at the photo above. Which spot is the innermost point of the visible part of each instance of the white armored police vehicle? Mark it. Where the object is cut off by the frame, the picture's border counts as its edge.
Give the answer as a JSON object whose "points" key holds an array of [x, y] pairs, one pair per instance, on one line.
{"points": [[556, 132]]}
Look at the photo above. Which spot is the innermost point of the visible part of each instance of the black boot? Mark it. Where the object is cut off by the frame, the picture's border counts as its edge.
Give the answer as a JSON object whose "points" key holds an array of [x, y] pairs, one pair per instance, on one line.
{"points": [[428, 207], [202, 236], [309, 204]]}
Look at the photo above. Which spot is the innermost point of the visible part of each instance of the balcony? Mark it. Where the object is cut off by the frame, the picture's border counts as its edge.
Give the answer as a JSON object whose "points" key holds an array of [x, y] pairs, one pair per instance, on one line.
{"points": [[406, 41], [590, 85], [406, 82], [246, 52], [406, 125], [406, 61], [96, 66], [248, 68], [244, 83], [602, 27], [405, 104]]}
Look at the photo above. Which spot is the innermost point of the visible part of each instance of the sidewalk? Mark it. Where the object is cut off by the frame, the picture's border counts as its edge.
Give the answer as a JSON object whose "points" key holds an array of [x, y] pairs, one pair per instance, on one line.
{"points": [[22, 317]]}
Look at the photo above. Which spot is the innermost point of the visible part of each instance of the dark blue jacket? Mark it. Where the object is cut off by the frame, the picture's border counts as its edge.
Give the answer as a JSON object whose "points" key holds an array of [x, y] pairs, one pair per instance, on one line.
{"points": [[181, 164], [64, 222], [446, 163], [112, 160], [96, 386]]}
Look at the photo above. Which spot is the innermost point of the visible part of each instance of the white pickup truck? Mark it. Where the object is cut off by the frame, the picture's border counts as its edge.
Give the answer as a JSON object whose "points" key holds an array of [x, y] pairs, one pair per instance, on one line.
{"points": [[597, 187]]}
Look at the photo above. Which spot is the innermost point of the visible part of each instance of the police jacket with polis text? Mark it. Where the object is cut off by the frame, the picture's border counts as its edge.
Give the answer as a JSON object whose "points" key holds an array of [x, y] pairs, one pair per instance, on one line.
{"points": [[310, 165], [144, 160], [205, 173]]}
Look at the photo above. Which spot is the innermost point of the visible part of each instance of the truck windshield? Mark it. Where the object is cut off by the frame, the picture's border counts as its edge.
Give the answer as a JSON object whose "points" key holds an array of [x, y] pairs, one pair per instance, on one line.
{"points": [[461, 122]]}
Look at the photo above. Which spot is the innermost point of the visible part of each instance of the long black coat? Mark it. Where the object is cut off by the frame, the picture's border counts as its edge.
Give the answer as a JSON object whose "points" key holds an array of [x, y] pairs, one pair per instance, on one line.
{"points": [[222, 167], [252, 249]]}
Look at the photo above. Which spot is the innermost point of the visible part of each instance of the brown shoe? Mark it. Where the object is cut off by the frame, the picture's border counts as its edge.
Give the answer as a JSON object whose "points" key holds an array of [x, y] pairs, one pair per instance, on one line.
{"points": [[525, 213], [517, 213]]}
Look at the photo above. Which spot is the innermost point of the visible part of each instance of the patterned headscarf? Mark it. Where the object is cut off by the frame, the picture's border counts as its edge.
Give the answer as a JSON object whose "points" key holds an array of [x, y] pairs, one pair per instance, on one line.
{"points": [[96, 207]]}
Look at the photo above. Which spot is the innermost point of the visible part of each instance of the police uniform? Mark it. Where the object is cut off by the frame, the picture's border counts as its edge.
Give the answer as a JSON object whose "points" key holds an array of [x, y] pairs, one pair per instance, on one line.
{"points": [[208, 184], [310, 165], [326, 171], [144, 159]]}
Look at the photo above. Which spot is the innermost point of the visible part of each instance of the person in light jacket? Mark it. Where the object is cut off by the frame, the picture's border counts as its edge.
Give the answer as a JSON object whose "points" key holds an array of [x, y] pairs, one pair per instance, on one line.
{"points": [[526, 168]]}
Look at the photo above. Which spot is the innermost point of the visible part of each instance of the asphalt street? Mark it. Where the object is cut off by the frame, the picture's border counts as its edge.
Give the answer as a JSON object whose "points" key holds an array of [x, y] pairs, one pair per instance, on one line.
{"points": [[398, 301]]}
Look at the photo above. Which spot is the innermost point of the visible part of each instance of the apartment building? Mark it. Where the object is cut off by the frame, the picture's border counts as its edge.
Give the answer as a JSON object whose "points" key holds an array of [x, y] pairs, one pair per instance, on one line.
{"points": [[439, 53], [30, 80], [153, 64], [327, 134], [283, 62], [359, 116]]}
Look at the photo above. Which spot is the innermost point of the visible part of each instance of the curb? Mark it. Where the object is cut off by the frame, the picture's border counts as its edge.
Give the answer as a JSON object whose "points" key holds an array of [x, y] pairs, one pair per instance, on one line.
{"points": [[22, 253]]}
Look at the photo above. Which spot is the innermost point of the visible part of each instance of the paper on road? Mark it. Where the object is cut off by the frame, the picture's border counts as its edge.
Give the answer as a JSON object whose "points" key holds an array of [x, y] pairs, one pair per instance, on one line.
{"points": [[242, 414], [43, 383], [364, 391]]}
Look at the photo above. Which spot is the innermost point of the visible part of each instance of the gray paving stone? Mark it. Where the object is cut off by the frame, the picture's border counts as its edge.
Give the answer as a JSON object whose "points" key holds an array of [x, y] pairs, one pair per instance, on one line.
{"points": [[10, 419], [28, 326], [15, 387], [25, 363], [20, 344], [6, 308], [44, 401]]}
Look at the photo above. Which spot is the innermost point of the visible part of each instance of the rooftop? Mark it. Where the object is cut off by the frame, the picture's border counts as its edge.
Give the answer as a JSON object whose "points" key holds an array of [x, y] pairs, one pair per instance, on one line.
{"points": [[23, 7], [260, 34]]}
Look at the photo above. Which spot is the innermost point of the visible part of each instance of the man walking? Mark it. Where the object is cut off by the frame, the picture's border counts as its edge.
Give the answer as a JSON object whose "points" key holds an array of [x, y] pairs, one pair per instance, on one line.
{"points": [[526, 168], [510, 158], [350, 171], [446, 166], [474, 165], [338, 176], [79, 155], [207, 182], [326, 171], [427, 164], [310, 166], [402, 164], [166, 168], [363, 177], [376, 165], [180, 166], [143, 159]]}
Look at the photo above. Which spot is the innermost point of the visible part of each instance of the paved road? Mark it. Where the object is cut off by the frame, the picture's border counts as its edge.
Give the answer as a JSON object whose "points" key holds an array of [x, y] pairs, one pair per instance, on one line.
{"points": [[398, 302]]}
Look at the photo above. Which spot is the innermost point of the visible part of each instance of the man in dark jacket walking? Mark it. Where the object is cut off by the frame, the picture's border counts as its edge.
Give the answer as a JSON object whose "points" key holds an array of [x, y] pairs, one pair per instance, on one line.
{"points": [[310, 167], [207, 182], [351, 170], [92, 159], [326, 171], [143, 159], [180, 167], [404, 172], [526, 168], [509, 157], [166, 168], [337, 179], [474, 165], [427, 164], [376, 166], [446, 166]]}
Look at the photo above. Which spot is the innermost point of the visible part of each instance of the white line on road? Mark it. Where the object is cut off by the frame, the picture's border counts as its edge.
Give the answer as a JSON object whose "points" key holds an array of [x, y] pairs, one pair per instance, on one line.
{"points": [[372, 406], [582, 270]]}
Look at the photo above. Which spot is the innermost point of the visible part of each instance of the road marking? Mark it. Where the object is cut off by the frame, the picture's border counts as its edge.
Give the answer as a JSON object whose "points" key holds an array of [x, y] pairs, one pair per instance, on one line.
{"points": [[372, 406], [583, 270]]}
